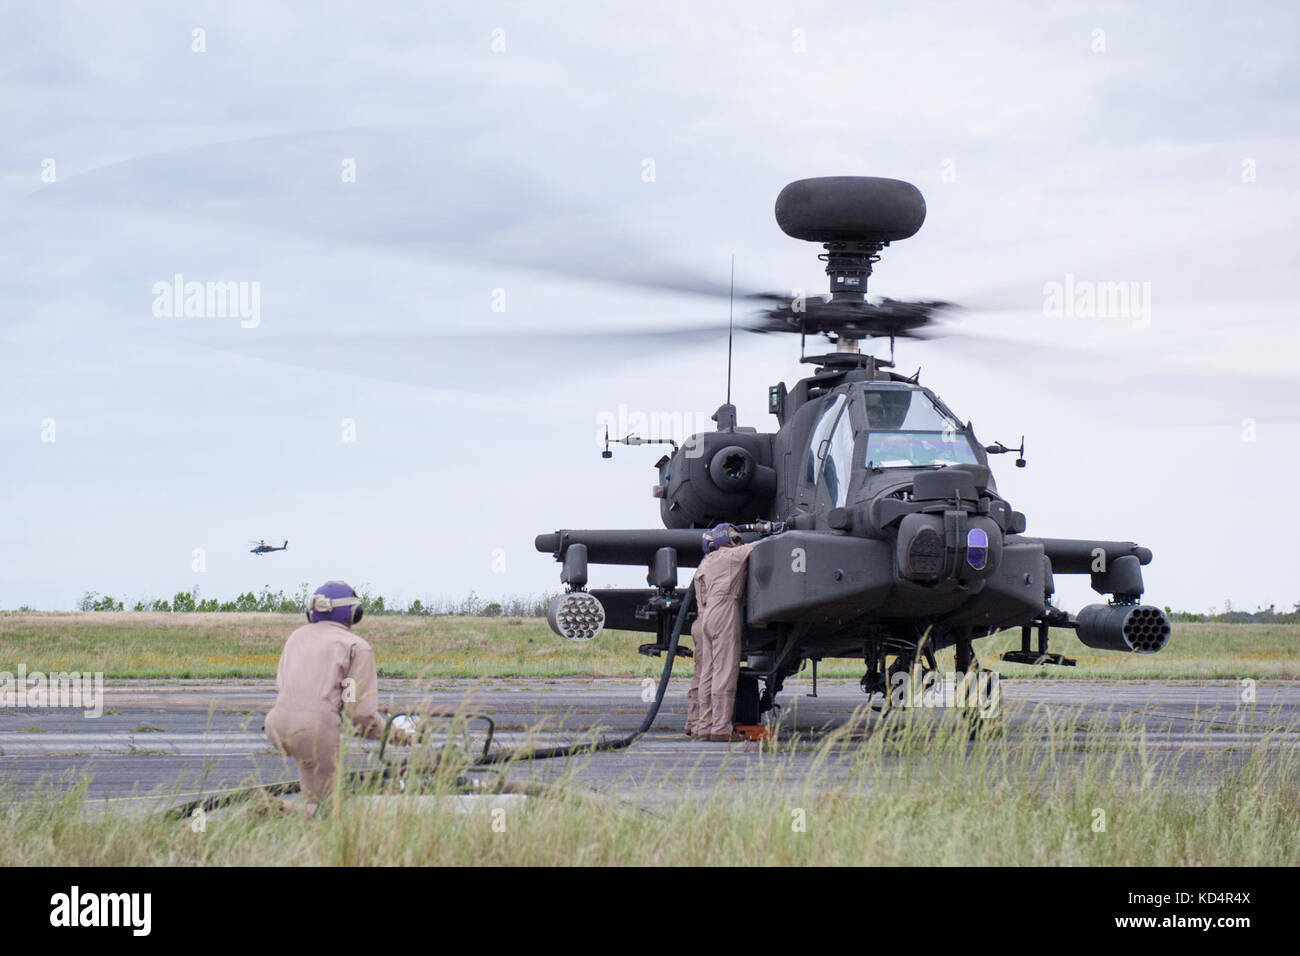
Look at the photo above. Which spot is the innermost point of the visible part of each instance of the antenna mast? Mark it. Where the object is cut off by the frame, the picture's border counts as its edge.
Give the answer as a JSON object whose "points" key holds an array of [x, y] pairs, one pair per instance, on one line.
{"points": [[731, 315]]}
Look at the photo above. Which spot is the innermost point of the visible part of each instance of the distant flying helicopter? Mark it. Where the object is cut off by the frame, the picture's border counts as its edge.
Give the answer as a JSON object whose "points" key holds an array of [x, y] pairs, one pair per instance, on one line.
{"points": [[263, 548]]}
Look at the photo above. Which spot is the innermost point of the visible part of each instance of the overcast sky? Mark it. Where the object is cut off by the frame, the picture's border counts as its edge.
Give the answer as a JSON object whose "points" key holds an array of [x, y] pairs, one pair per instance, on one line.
{"points": [[416, 192]]}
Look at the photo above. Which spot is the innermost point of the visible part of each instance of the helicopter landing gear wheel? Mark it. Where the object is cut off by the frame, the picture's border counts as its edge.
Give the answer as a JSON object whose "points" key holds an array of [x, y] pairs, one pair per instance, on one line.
{"points": [[906, 681], [977, 692], [747, 712], [981, 696], [966, 657], [913, 679]]}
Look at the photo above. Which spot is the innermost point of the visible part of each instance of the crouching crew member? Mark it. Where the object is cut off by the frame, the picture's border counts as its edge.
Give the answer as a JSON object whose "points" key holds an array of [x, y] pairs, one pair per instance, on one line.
{"points": [[326, 672], [719, 586]]}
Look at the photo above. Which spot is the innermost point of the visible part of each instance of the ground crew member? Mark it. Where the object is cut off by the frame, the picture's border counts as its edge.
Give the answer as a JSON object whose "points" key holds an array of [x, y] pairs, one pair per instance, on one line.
{"points": [[325, 673], [719, 585]]}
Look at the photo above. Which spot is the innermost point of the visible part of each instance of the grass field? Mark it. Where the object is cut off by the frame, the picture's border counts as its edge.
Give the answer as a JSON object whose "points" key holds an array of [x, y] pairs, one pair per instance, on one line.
{"points": [[911, 797], [131, 644]]}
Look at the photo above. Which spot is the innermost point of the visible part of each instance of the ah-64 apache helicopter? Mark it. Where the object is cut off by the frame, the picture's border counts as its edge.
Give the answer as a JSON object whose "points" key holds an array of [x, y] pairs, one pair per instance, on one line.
{"points": [[882, 534], [261, 547]]}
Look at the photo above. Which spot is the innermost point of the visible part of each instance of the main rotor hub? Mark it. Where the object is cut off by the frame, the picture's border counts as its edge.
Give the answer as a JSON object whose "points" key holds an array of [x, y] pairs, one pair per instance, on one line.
{"points": [[853, 218], [848, 264]]}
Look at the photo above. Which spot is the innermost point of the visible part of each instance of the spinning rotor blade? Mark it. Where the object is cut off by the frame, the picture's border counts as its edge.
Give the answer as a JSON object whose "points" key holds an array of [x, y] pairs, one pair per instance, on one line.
{"points": [[442, 194], [417, 192]]}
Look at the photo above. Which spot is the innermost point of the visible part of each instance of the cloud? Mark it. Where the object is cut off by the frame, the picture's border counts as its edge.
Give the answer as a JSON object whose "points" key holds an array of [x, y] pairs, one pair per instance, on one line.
{"points": [[526, 171]]}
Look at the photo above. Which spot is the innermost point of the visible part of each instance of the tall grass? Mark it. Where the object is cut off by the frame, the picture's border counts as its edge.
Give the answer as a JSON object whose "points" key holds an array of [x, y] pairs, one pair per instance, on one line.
{"points": [[914, 790]]}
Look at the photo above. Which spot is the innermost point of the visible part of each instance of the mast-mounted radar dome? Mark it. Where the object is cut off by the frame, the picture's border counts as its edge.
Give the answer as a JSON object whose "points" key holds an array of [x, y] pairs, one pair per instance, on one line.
{"points": [[850, 209]]}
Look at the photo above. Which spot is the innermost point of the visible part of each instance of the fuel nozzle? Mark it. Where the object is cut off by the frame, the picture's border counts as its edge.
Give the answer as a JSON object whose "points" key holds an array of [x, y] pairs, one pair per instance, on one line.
{"points": [[762, 528]]}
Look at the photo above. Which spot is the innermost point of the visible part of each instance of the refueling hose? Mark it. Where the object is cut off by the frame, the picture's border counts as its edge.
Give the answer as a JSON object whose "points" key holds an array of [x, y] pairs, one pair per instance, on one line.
{"points": [[501, 756], [546, 753]]}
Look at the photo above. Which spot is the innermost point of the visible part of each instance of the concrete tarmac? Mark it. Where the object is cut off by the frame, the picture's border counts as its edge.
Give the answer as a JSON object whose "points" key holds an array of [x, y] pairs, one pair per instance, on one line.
{"points": [[163, 742]]}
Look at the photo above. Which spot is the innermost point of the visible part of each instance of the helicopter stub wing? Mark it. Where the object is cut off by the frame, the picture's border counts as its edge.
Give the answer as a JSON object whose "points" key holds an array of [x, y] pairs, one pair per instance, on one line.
{"points": [[1078, 556], [626, 546]]}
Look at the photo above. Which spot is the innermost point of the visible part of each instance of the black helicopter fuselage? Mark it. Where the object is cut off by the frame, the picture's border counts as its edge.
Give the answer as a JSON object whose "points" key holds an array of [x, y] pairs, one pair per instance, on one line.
{"points": [[880, 531], [889, 532]]}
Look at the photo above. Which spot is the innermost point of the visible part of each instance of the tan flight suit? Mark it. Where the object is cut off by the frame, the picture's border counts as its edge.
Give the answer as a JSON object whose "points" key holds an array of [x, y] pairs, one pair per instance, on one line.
{"points": [[308, 714], [719, 587]]}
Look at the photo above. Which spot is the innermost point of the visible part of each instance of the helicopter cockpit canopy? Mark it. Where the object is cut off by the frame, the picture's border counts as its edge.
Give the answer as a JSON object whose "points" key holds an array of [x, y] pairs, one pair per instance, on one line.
{"points": [[894, 407], [896, 424], [908, 429]]}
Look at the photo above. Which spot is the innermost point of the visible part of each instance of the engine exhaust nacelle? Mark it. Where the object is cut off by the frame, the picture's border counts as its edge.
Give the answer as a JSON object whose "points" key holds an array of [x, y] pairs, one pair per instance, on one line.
{"points": [[578, 616], [1123, 627]]}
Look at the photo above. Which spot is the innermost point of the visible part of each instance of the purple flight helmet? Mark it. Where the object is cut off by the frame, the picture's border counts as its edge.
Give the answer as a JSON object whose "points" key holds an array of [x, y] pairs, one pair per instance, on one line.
{"points": [[723, 536], [334, 601]]}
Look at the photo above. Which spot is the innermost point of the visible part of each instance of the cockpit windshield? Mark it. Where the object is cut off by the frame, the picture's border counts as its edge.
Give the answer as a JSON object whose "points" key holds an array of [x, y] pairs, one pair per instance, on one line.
{"points": [[905, 409], [907, 430]]}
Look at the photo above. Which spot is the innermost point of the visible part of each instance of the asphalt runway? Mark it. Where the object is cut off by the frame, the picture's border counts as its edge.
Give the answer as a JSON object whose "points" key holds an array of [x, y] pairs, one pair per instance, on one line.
{"points": [[163, 742]]}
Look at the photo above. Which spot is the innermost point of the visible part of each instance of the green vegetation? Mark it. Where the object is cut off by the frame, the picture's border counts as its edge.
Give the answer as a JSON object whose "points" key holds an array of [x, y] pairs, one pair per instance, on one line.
{"points": [[1230, 615], [129, 644], [914, 794], [204, 644], [277, 602], [1196, 650]]}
